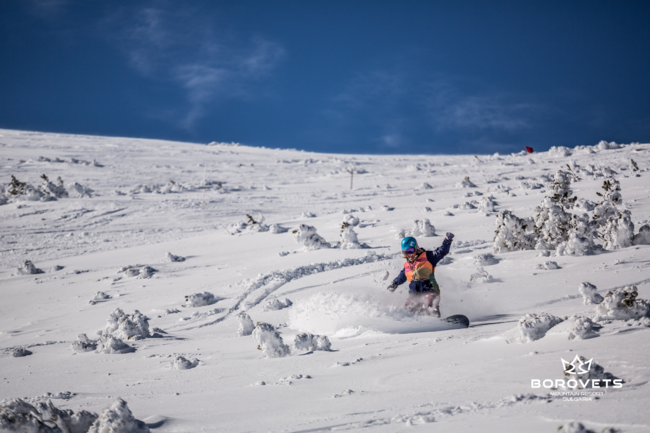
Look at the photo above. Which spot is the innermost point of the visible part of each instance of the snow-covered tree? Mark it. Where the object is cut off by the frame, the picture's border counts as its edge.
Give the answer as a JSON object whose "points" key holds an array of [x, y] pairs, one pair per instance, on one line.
{"points": [[512, 233], [615, 227]]}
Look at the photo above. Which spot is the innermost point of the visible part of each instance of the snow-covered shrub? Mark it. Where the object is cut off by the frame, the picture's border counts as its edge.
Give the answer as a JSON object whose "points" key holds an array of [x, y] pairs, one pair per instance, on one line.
{"points": [[530, 185], [199, 300], [19, 352], [307, 236], [559, 151], [350, 220], [485, 259], [424, 185], [589, 294], [269, 341], [465, 183], [583, 205], [16, 415], [551, 224], [486, 204], [172, 258], [310, 342], [138, 271], [118, 418], [468, 205], [512, 233], [622, 304], [422, 228], [276, 229], [54, 191], [578, 427], [574, 372], [277, 304], [582, 232], [619, 231], [643, 237], [80, 191], [246, 325], [182, 363], [481, 276], [349, 239], [549, 266], [307, 214], [83, 344], [99, 297], [28, 268], [603, 145], [109, 345], [583, 328], [534, 326], [561, 187], [126, 326], [17, 190], [575, 245], [256, 226]]}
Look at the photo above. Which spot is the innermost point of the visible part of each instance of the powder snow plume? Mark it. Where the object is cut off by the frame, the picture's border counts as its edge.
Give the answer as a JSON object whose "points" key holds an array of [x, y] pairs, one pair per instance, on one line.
{"points": [[346, 315]]}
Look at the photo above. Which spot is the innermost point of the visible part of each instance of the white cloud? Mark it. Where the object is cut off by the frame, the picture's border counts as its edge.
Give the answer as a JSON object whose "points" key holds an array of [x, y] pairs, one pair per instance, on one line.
{"points": [[180, 46], [448, 108]]}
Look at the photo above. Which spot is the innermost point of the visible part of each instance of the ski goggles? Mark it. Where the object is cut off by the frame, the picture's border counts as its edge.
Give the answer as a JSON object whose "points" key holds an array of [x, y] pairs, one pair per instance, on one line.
{"points": [[409, 251]]}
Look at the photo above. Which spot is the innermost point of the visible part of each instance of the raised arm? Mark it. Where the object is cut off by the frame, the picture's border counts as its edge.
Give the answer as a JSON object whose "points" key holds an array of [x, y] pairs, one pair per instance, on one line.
{"points": [[435, 256]]}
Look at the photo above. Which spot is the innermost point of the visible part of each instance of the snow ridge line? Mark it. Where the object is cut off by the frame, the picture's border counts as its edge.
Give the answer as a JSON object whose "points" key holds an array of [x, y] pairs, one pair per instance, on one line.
{"points": [[280, 278]]}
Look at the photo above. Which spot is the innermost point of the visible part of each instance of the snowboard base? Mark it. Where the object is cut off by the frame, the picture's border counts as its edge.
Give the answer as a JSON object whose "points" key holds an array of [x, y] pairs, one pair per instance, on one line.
{"points": [[458, 319]]}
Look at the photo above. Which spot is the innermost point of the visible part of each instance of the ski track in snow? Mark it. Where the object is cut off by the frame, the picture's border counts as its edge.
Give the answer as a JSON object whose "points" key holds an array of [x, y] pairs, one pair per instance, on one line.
{"points": [[268, 283]]}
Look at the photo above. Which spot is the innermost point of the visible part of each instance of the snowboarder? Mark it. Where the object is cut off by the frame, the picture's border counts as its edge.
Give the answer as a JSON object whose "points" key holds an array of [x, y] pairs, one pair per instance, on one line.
{"points": [[419, 269]]}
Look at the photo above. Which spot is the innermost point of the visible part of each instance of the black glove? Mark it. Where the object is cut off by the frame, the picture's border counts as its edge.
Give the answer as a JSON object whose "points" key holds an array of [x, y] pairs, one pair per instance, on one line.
{"points": [[450, 236], [392, 287]]}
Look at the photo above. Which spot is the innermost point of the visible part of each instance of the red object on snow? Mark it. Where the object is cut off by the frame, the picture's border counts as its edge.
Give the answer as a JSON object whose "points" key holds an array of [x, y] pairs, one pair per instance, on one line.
{"points": [[529, 149]]}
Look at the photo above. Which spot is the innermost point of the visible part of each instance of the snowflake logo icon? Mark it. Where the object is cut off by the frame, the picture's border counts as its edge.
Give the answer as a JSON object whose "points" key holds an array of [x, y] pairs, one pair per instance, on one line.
{"points": [[577, 363]]}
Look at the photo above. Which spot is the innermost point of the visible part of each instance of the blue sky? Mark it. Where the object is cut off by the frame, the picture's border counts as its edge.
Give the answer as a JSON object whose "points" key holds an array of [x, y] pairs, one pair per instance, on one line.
{"points": [[416, 77]]}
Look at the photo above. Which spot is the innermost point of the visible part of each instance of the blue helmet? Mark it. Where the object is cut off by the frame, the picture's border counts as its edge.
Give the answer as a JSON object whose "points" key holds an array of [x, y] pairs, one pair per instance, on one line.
{"points": [[409, 242]]}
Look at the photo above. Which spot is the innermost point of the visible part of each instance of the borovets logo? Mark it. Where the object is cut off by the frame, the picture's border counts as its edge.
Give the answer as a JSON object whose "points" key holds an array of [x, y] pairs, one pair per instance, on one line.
{"points": [[580, 375], [570, 367]]}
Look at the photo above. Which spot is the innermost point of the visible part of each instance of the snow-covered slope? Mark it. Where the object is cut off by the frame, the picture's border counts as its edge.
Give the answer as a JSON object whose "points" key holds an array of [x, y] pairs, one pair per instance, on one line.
{"points": [[180, 352]]}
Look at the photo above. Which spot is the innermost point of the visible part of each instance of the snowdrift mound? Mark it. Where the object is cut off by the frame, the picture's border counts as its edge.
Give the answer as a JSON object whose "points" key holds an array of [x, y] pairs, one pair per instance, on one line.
{"points": [[577, 327], [200, 300], [17, 415], [345, 315], [83, 344], [622, 304], [28, 268], [99, 297], [589, 294], [126, 326], [310, 342], [118, 418], [277, 304], [110, 345], [139, 271], [531, 327], [307, 236], [182, 363], [246, 325], [269, 341], [172, 258]]}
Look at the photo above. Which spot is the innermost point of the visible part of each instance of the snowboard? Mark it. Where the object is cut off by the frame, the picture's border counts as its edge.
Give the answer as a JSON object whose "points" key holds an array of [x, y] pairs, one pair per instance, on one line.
{"points": [[458, 319]]}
